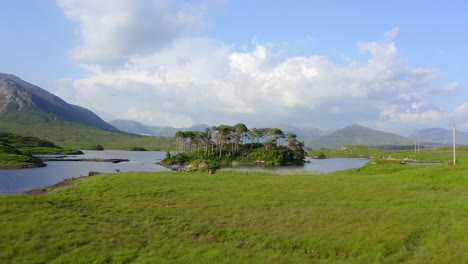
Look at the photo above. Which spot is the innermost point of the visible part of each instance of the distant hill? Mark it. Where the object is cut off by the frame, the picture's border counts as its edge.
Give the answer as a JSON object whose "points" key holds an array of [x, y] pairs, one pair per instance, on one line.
{"points": [[22, 98], [159, 131], [358, 135], [302, 133], [131, 126], [440, 136], [135, 127]]}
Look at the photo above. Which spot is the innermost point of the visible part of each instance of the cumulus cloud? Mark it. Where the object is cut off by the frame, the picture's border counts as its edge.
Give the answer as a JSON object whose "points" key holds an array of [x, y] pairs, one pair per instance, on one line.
{"points": [[166, 76], [112, 30]]}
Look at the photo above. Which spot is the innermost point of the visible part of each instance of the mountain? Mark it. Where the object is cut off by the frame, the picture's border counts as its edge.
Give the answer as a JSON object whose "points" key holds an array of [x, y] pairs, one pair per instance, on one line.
{"points": [[302, 133], [160, 131], [358, 135], [18, 97], [28, 110], [440, 136], [131, 126]]}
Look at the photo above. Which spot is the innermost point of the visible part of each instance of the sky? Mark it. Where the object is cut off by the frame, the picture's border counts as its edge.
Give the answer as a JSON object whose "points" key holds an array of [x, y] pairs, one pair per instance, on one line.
{"points": [[397, 66]]}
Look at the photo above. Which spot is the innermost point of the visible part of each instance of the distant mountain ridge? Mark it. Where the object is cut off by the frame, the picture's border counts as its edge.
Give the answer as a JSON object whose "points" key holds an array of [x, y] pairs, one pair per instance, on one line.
{"points": [[313, 137], [159, 131], [135, 127], [301, 132], [358, 135], [20, 97], [440, 136]]}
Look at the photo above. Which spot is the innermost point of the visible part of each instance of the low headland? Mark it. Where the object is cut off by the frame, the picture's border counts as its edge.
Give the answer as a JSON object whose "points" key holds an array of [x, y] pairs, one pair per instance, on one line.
{"points": [[18, 151]]}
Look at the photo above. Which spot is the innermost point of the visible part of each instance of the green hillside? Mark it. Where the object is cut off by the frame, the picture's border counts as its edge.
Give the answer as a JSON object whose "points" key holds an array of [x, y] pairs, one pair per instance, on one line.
{"points": [[16, 151], [75, 135], [29, 110], [432, 154]]}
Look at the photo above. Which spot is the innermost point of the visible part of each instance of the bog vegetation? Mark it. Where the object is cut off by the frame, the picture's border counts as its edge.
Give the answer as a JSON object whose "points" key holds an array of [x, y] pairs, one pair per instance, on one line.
{"points": [[226, 144]]}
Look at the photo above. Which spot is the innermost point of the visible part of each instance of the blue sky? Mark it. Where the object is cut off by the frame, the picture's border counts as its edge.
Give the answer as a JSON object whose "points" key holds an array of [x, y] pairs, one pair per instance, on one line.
{"points": [[397, 66]]}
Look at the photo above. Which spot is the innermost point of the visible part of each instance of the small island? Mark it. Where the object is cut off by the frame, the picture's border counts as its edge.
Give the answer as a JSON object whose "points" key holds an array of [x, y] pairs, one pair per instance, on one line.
{"points": [[227, 145]]}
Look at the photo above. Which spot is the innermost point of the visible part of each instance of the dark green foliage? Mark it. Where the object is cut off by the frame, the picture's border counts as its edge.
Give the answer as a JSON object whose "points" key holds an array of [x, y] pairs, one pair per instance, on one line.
{"points": [[138, 149], [225, 144], [94, 147], [179, 158]]}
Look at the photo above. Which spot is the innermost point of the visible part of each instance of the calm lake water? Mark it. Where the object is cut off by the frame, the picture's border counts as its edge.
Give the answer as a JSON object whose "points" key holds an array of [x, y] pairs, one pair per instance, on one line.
{"points": [[15, 181], [318, 165]]}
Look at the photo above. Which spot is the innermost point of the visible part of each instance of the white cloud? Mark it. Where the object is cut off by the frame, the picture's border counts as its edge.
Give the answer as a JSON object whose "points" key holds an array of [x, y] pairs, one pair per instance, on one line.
{"points": [[462, 109], [180, 79], [452, 86], [151, 117], [112, 30]]}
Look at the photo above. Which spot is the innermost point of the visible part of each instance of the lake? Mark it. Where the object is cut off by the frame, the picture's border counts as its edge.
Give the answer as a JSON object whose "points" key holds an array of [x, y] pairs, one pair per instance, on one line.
{"points": [[318, 165], [18, 180]]}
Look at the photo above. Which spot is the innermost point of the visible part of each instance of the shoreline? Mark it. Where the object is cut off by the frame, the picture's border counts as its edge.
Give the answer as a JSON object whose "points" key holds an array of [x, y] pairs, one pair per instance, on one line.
{"points": [[28, 165], [61, 184], [87, 160]]}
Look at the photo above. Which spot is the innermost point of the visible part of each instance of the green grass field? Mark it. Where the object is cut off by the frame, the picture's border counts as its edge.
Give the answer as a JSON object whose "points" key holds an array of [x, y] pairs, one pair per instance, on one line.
{"points": [[433, 154], [380, 213]]}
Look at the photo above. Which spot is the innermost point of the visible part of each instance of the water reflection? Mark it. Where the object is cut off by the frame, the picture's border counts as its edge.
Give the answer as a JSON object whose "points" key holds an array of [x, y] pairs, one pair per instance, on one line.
{"points": [[318, 165], [14, 181]]}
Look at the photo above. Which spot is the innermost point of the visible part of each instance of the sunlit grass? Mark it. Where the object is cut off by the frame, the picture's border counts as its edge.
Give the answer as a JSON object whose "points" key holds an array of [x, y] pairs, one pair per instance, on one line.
{"points": [[437, 154], [383, 213]]}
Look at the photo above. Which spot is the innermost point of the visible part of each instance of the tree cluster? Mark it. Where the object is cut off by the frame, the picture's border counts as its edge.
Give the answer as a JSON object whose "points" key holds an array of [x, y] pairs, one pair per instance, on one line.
{"points": [[226, 143]]}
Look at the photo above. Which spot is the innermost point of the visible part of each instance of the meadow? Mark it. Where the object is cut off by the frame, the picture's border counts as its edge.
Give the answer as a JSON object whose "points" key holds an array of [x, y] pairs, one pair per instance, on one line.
{"points": [[430, 154], [384, 212]]}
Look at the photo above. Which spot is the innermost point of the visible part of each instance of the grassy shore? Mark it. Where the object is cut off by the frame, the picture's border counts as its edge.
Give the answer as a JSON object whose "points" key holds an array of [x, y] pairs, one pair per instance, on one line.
{"points": [[380, 213], [432, 154]]}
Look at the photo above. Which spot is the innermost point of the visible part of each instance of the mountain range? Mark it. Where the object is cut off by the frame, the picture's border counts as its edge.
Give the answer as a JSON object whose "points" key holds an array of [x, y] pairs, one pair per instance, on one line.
{"points": [[168, 131], [313, 137], [20, 97], [160, 131], [441, 136], [358, 135], [317, 138], [26, 106]]}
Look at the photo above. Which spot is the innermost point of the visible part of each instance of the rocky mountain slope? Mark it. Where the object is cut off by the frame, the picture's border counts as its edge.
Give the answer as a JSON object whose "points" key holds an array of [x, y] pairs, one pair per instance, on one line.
{"points": [[19, 98]]}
